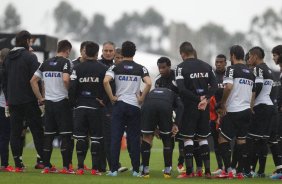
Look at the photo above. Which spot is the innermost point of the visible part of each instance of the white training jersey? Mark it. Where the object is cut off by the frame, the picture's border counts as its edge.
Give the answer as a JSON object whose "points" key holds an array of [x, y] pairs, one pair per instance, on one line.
{"points": [[243, 80]]}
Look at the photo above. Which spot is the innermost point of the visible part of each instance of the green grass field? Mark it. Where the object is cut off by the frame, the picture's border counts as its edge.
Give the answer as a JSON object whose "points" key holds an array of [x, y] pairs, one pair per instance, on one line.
{"points": [[156, 165]]}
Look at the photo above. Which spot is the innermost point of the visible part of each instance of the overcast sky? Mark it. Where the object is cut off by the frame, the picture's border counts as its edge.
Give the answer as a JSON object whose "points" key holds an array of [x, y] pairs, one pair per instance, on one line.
{"points": [[234, 15]]}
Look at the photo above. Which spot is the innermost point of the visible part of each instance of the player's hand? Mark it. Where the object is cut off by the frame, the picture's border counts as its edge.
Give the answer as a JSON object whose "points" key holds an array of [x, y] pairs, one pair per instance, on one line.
{"points": [[218, 119], [203, 104], [252, 110], [41, 101], [222, 110], [174, 130], [100, 102], [140, 99], [114, 99], [202, 97], [157, 133], [7, 111]]}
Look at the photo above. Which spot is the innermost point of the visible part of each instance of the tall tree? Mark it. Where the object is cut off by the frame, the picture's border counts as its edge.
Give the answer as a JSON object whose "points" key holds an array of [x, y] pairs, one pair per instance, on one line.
{"points": [[12, 19], [98, 30], [69, 20]]}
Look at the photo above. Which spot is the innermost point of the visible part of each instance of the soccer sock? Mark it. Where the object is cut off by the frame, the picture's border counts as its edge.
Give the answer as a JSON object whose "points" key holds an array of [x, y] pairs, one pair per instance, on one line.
{"points": [[181, 153], [87, 146], [197, 155], [225, 151], [38, 159], [277, 156], [80, 152], [95, 152], [66, 150], [188, 153], [217, 153], [254, 154], [262, 156], [234, 161], [205, 154], [145, 153], [167, 151], [243, 161], [47, 150], [71, 149]]}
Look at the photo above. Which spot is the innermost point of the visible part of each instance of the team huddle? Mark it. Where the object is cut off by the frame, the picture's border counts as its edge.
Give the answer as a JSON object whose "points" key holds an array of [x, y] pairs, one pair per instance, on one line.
{"points": [[92, 102]]}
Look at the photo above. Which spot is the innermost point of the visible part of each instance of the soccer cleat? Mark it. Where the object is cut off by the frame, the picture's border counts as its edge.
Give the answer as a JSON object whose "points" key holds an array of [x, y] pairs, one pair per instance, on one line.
{"points": [[67, 171], [276, 176], [184, 175], [248, 175], [230, 175], [53, 169], [199, 173], [19, 170], [46, 170], [135, 174], [79, 172], [7, 169], [258, 175], [208, 175], [222, 174], [144, 175], [122, 169], [217, 172], [115, 173], [240, 176], [180, 169], [96, 172], [167, 175], [234, 172], [39, 166]]}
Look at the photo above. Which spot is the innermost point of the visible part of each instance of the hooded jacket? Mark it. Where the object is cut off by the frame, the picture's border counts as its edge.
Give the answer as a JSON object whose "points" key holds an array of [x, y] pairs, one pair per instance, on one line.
{"points": [[18, 68]]}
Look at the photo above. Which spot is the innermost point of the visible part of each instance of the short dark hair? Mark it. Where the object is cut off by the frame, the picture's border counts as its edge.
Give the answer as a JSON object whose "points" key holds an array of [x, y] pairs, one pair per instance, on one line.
{"points": [[279, 61], [258, 51], [21, 39], [128, 49], [277, 50], [238, 52], [64, 45], [247, 56], [164, 60], [187, 48], [82, 45], [118, 51], [221, 56], [91, 49]]}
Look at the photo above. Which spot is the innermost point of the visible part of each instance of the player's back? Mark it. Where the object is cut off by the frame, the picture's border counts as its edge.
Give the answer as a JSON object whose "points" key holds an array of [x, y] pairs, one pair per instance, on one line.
{"points": [[242, 79]]}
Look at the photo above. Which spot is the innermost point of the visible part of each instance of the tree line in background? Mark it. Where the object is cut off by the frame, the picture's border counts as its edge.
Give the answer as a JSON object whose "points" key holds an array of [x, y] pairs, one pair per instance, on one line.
{"points": [[151, 34]]}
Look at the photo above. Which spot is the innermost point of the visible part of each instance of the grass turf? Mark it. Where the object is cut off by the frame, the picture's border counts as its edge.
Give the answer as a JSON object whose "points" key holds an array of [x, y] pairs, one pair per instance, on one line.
{"points": [[32, 175]]}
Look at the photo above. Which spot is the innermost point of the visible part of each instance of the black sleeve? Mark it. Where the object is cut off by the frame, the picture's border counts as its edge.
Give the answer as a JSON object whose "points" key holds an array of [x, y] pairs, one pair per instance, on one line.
{"points": [[279, 96], [73, 88], [34, 64], [67, 67], [213, 84], [258, 88], [5, 80], [179, 108], [102, 92], [258, 80], [186, 93]]}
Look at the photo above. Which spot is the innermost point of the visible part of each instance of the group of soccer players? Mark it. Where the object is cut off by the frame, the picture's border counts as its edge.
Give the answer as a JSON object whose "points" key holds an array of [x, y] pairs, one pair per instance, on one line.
{"points": [[95, 101]]}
